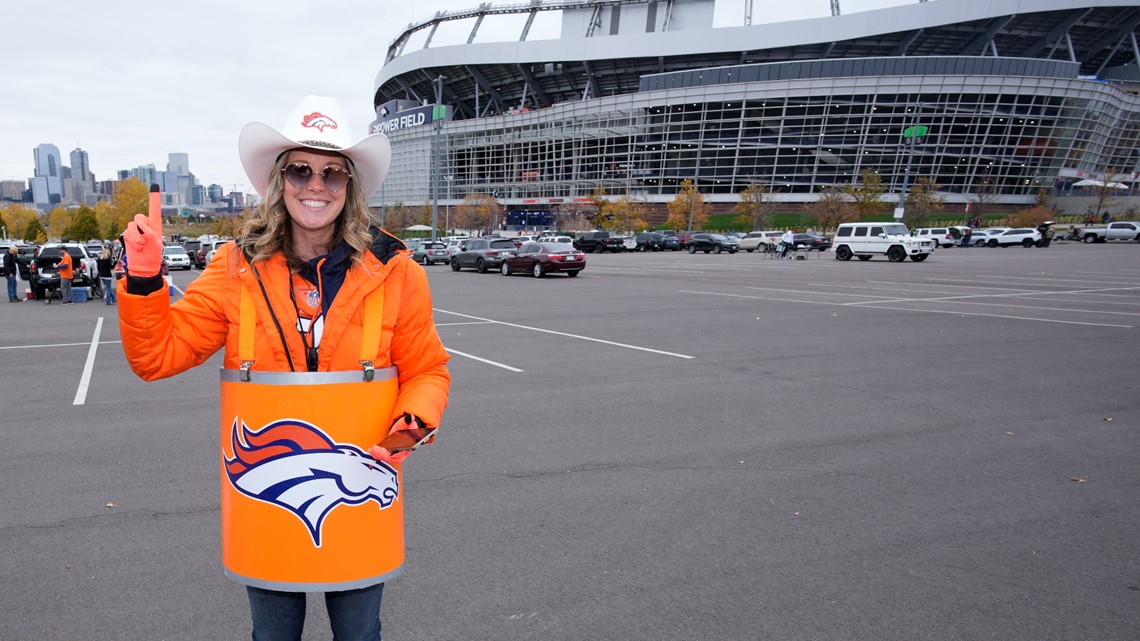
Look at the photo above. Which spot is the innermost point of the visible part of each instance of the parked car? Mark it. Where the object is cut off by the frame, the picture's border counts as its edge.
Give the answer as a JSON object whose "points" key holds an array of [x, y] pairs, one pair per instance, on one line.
{"points": [[980, 237], [192, 246], [943, 236], [430, 253], [598, 242], [1024, 236], [671, 242], [94, 249], [813, 242], [211, 247], [1114, 231], [539, 259], [649, 241], [43, 274], [175, 257], [456, 245], [629, 243], [483, 254], [715, 243], [883, 239], [764, 241], [555, 238]]}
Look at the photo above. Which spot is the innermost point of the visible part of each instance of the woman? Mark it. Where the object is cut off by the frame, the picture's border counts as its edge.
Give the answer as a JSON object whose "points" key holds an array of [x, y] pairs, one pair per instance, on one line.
{"points": [[308, 294], [106, 268]]}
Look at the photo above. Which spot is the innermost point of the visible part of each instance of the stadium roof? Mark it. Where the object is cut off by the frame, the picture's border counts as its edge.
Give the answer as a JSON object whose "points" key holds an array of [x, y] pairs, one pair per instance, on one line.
{"points": [[1100, 35]]}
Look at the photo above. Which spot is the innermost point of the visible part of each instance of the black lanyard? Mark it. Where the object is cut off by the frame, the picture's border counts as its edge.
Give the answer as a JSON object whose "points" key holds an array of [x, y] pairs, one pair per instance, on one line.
{"points": [[311, 352]]}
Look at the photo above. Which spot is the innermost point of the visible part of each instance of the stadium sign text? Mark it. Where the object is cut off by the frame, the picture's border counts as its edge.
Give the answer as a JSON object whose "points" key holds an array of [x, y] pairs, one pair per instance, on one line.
{"points": [[403, 120]]}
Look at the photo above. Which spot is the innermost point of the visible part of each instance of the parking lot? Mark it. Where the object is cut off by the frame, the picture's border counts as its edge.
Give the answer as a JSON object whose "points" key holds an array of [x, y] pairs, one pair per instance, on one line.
{"points": [[669, 446]]}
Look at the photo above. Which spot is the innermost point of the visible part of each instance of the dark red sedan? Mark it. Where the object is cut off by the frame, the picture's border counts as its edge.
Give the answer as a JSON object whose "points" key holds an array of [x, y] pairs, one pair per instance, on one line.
{"points": [[539, 259]]}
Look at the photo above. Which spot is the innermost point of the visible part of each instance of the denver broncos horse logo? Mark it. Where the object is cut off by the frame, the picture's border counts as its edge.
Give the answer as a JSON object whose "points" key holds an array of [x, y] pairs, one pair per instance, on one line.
{"points": [[296, 466], [318, 120]]}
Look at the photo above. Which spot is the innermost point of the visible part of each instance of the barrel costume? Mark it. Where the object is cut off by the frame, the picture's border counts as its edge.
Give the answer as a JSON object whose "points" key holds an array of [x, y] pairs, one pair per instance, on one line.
{"points": [[273, 408]]}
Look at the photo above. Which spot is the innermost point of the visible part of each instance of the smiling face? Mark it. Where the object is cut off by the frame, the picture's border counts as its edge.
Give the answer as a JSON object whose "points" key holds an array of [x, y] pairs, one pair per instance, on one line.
{"points": [[314, 208]]}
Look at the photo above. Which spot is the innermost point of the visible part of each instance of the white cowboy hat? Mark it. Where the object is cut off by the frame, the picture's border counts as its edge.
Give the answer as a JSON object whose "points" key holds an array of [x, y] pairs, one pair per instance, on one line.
{"points": [[317, 123]]}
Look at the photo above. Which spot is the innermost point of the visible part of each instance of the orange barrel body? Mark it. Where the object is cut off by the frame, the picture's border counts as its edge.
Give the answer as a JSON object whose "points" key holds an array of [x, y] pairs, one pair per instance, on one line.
{"points": [[304, 506]]}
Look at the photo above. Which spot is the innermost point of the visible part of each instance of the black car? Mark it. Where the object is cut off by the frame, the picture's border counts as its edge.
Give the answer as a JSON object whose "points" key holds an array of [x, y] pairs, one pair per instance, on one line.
{"points": [[715, 243], [671, 242], [192, 247], [650, 241], [812, 242]]}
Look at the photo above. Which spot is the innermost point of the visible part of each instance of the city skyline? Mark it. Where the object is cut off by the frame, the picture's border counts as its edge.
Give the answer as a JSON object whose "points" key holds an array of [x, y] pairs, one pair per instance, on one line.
{"points": [[156, 79]]}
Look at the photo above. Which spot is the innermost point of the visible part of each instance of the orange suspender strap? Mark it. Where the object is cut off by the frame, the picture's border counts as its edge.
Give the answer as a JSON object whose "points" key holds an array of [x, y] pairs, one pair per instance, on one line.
{"points": [[247, 322], [369, 335], [370, 332]]}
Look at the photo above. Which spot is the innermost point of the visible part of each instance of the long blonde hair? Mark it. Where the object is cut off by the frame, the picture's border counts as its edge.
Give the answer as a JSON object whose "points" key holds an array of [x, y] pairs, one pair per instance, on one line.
{"points": [[268, 230]]}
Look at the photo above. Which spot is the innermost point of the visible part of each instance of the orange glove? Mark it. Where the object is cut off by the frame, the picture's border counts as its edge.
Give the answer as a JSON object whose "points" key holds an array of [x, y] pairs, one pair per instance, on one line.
{"points": [[403, 422], [142, 239]]}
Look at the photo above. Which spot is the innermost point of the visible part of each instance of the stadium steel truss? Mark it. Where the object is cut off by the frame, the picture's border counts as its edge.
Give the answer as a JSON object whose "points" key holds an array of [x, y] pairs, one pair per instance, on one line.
{"points": [[637, 96]]}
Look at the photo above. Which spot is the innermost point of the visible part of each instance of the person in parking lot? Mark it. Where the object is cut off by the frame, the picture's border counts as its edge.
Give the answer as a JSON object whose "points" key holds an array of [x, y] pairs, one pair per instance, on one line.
{"points": [[786, 242], [66, 273], [106, 268], [319, 281], [10, 271], [966, 234]]}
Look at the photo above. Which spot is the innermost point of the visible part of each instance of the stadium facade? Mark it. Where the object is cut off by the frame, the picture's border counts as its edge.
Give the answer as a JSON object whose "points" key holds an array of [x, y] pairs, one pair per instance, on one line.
{"points": [[637, 96]]}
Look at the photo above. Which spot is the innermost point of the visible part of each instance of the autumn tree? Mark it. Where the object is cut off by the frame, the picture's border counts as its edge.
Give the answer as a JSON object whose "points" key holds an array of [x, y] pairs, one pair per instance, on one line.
{"points": [[756, 202], [477, 212], [568, 217], [832, 208], [625, 214], [688, 201], [17, 218], [922, 201], [58, 220], [83, 225], [35, 232], [130, 197], [867, 194], [107, 220]]}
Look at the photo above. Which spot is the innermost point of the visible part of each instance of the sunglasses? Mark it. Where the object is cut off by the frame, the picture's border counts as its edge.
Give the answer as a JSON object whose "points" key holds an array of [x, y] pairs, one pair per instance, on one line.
{"points": [[334, 178]]}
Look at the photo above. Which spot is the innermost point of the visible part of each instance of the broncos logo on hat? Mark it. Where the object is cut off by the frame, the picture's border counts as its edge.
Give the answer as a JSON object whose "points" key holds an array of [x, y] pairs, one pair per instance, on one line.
{"points": [[296, 466], [318, 120]]}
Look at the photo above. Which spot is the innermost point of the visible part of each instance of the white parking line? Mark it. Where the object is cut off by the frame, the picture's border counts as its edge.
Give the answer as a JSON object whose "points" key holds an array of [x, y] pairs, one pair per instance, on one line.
{"points": [[482, 360], [878, 305], [56, 345], [85, 380], [578, 336]]}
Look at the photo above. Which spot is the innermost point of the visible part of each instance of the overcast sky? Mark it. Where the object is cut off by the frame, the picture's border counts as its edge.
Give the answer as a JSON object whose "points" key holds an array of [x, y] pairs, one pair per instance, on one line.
{"points": [[132, 81]]}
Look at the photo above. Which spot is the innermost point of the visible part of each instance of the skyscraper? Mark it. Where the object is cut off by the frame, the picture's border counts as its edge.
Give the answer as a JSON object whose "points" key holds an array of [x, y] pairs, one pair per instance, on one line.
{"points": [[47, 184], [82, 180], [179, 163]]}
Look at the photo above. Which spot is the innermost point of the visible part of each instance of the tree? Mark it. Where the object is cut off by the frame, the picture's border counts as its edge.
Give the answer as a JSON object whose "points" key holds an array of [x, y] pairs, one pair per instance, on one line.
{"points": [[18, 218], [131, 197], [867, 194], [1103, 195], [58, 221], [477, 212], [625, 214], [34, 232], [922, 201], [985, 192], [83, 225], [108, 222], [568, 217], [832, 208], [688, 200], [756, 201]]}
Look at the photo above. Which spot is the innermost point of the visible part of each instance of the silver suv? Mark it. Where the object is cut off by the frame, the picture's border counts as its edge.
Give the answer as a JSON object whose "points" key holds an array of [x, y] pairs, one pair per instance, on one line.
{"points": [[483, 253]]}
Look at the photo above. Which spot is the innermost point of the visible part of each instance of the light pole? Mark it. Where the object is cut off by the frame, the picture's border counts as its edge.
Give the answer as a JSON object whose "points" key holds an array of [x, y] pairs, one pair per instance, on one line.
{"points": [[913, 133], [437, 122]]}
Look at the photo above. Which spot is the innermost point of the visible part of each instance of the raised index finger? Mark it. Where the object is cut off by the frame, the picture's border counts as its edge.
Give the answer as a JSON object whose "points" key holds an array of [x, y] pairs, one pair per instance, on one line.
{"points": [[154, 210]]}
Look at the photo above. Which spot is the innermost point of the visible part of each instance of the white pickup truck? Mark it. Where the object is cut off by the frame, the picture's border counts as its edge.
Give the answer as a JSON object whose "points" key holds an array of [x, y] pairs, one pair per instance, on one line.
{"points": [[1114, 231]]}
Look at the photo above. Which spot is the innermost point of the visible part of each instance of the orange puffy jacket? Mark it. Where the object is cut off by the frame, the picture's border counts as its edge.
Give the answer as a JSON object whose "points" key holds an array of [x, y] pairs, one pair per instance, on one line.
{"points": [[163, 339]]}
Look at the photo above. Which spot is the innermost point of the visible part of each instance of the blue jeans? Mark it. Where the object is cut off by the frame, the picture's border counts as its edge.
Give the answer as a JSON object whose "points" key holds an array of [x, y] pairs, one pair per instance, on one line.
{"points": [[65, 289], [12, 288], [280, 616], [108, 290]]}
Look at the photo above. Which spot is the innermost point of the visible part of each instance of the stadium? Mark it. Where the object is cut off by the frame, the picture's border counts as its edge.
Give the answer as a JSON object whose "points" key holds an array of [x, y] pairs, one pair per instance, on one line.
{"points": [[636, 96]]}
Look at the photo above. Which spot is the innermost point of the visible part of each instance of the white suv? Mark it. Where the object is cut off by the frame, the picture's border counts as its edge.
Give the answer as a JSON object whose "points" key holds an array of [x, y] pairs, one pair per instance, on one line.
{"points": [[942, 236], [891, 239]]}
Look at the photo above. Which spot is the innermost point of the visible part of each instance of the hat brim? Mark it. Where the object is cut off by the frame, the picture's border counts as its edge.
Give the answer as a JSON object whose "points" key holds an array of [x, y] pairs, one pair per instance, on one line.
{"points": [[259, 146]]}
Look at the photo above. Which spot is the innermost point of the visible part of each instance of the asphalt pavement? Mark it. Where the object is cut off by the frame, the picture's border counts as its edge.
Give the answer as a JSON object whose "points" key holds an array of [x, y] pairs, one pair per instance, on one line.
{"points": [[667, 447]]}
